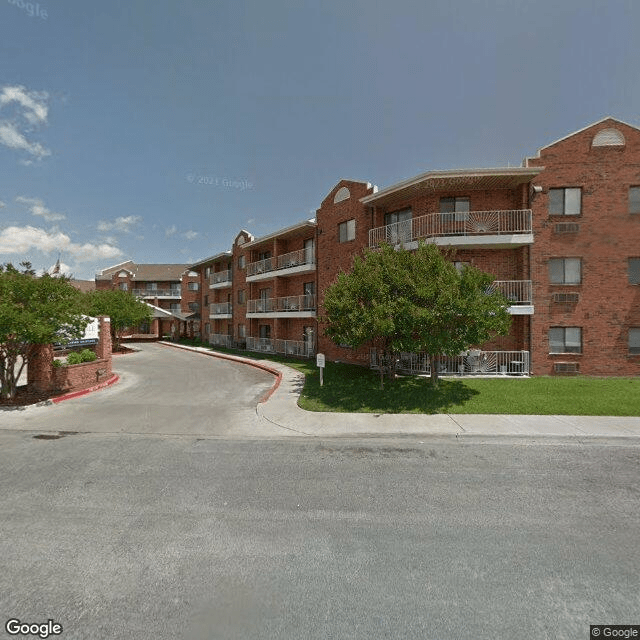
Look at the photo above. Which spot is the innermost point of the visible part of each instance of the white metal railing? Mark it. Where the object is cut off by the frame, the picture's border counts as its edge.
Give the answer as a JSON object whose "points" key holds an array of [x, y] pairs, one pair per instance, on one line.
{"points": [[285, 261], [471, 362], [220, 340], [468, 223], [518, 292], [286, 304], [155, 293], [304, 348], [220, 276], [220, 308]]}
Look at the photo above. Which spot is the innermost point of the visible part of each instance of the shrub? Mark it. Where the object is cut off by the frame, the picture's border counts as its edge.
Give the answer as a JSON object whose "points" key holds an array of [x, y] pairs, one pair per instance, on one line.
{"points": [[86, 355], [57, 363], [74, 358]]}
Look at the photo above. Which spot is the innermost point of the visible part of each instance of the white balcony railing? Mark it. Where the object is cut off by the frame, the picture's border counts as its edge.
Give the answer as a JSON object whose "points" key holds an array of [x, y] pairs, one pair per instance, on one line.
{"points": [[287, 304], [285, 261], [470, 223], [304, 348], [220, 277], [472, 362], [157, 293], [518, 292], [220, 308], [220, 340]]}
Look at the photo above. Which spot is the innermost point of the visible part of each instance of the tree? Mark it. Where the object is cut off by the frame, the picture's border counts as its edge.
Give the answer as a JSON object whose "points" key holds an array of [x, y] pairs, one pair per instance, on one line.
{"points": [[122, 307], [414, 301], [33, 310]]}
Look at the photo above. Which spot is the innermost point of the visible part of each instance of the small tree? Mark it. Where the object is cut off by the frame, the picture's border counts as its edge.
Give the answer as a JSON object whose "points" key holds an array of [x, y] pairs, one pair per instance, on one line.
{"points": [[414, 301], [32, 312], [122, 307]]}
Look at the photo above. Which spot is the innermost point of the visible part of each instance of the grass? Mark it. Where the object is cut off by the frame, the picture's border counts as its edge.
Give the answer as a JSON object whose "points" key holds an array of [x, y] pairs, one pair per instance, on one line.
{"points": [[353, 389]]}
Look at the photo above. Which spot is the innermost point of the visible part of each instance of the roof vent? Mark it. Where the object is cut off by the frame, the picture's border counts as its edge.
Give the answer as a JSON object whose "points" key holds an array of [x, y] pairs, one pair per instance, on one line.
{"points": [[608, 138], [341, 194]]}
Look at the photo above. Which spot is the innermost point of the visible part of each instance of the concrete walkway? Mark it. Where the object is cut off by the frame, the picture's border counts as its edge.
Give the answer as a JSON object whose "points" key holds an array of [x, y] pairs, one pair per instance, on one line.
{"points": [[281, 409]]}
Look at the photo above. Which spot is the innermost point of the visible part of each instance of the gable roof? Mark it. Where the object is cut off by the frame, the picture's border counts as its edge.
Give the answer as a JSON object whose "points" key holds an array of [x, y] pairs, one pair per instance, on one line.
{"points": [[144, 272]]}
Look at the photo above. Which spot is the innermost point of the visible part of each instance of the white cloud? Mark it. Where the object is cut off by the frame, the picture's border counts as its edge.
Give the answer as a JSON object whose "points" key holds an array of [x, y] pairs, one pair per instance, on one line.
{"points": [[121, 223], [170, 231], [2, 205], [37, 208], [23, 239], [31, 111], [190, 235], [35, 108]]}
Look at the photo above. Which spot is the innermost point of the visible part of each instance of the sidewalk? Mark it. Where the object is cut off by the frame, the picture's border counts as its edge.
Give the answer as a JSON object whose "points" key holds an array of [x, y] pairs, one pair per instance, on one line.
{"points": [[281, 409]]}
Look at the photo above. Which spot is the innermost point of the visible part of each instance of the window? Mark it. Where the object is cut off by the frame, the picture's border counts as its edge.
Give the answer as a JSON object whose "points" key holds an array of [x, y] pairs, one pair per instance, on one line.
{"points": [[206, 301], [634, 199], [241, 296], [193, 286], [264, 255], [309, 251], [194, 306], [634, 341], [242, 331], [634, 270], [309, 288], [207, 328], [207, 272], [565, 340], [265, 331], [241, 262], [457, 208], [152, 286], [565, 271], [174, 306], [565, 202], [397, 216], [124, 286], [347, 231]]}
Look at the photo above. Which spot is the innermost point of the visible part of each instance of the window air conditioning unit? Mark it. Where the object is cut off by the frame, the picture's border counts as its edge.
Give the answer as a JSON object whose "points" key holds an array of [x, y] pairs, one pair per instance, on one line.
{"points": [[566, 298], [567, 367], [567, 227]]}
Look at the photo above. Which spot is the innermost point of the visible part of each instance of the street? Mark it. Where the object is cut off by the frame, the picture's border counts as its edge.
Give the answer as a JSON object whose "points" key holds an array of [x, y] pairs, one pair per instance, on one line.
{"points": [[155, 536]]}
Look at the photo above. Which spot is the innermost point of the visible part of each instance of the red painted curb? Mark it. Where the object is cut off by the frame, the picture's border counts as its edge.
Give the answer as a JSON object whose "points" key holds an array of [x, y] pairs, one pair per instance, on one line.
{"points": [[84, 392], [251, 363]]}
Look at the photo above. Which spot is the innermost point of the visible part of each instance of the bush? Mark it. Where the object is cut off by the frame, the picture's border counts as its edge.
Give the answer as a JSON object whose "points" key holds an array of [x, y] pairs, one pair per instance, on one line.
{"points": [[74, 358], [57, 363], [86, 355]]}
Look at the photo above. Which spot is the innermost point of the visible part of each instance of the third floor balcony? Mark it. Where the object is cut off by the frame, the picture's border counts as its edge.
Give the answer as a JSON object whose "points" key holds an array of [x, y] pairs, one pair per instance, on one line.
{"points": [[295, 262], [220, 279], [491, 229], [303, 306]]}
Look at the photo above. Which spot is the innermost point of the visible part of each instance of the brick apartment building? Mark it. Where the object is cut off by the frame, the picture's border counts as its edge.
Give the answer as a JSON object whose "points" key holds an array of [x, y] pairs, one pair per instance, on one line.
{"points": [[172, 291], [560, 235]]}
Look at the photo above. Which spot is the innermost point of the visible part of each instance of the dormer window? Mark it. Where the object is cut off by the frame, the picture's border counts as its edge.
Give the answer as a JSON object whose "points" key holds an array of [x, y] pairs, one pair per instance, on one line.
{"points": [[341, 194]]}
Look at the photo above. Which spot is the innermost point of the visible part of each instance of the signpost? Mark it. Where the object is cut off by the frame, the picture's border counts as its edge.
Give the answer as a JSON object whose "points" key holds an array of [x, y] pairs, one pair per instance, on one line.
{"points": [[320, 364]]}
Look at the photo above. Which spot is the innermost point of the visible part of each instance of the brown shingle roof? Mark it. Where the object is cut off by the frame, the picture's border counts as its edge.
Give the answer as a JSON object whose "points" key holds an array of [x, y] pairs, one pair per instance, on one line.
{"points": [[146, 272]]}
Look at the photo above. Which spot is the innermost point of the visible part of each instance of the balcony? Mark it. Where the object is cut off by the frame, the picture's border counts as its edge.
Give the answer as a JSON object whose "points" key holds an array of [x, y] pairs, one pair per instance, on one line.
{"points": [[157, 293], [290, 306], [221, 340], [302, 348], [470, 363], [288, 264], [490, 229], [220, 280], [220, 310], [519, 293]]}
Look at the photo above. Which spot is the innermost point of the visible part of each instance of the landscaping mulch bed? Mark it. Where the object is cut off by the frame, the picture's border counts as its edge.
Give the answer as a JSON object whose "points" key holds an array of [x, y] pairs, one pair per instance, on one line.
{"points": [[25, 396]]}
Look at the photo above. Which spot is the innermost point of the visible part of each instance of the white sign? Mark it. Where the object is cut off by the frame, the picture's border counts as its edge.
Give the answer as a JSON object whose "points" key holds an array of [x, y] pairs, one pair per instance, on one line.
{"points": [[320, 360], [92, 331]]}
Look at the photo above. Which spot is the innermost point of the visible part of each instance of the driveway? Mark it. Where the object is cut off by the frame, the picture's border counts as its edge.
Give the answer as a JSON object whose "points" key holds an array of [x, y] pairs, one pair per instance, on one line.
{"points": [[162, 391]]}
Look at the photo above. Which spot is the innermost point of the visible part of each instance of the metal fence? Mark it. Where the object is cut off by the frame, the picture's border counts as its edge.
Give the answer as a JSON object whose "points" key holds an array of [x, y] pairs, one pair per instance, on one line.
{"points": [[285, 304], [472, 362], [285, 261], [219, 277], [301, 348]]}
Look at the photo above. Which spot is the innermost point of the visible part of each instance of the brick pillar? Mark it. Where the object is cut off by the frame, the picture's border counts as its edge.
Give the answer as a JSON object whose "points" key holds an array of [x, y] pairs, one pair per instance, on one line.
{"points": [[103, 348], [40, 368]]}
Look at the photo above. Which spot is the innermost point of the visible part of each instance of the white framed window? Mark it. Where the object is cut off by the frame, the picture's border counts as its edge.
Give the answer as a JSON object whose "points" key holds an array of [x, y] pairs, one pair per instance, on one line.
{"points": [[194, 306], [634, 341], [634, 199], [241, 262], [242, 331], [193, 286], [565, 270], [241, 296], [124, 286], [565, 340], [152, 286], [347, 231], [565, 202]]}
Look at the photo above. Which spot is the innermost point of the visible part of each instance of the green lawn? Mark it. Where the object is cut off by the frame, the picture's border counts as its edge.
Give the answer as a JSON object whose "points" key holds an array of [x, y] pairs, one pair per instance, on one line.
{"points": [[349, 388]]}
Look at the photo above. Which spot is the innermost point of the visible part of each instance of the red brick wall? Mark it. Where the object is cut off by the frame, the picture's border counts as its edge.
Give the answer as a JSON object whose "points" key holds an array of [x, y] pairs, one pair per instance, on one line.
{"points": [[608, 235]]}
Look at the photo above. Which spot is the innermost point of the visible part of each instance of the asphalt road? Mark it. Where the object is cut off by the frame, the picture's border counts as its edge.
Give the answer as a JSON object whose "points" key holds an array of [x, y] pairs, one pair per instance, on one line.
{"points": [[125, 536]]}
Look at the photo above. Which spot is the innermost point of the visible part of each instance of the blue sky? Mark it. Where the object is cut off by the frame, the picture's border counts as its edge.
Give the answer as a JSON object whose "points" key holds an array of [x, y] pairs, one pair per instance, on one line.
{"points": [[154, 131]]}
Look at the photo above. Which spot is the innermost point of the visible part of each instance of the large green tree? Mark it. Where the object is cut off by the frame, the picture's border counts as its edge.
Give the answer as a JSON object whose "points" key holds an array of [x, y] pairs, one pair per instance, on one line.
{"points": [[33, 310], [122, 307], [400, 300]]}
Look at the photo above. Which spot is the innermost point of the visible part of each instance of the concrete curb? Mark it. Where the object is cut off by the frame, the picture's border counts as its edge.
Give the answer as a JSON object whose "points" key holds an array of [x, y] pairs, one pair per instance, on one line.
{"points": [[226, 356], [84, 392]]}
